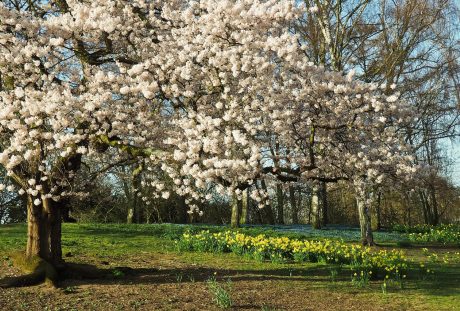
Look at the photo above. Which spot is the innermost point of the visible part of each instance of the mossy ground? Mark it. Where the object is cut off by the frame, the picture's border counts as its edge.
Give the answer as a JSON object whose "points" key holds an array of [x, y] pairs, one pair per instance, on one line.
{"points": [[143, 271]]}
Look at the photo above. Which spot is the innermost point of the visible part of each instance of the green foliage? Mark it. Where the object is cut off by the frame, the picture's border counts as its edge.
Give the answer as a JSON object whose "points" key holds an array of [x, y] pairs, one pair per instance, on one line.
{"points": [[361, 278], [334, 271], [384, 287], [118, 273], [179, 277], [69, 290], [282, 249], [411, 229], [221, 294], [445, 234], [118, 244]]}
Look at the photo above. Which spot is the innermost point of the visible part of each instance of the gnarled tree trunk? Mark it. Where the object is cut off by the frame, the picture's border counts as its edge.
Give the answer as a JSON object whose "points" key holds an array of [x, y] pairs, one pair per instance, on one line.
{"points": [[378, 210], [235, 221], [324, 204], [44, 231], [268, 211], [367, 238], [280, 203], [244, 217], [315, 210], [294, 206]]}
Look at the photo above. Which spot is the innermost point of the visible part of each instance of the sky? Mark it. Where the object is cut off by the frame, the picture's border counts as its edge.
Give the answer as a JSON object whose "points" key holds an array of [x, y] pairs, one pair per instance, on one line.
{"points": [[453, 151]]}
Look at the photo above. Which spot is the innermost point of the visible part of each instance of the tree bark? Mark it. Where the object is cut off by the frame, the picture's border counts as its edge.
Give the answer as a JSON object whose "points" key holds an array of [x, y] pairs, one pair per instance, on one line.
{"points": [[44, 231], [182, 209], [367, 238], [235, 221], [294, 206], [315, 211], [324, 204], [268, 208], [130, 217], [137, 199], [434, 205], [378, 210], [280, 203], [244, 208]]}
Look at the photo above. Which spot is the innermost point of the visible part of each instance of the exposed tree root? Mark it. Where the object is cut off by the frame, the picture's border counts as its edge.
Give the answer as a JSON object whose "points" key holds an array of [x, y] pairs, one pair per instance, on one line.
{"points": [[368, 243], [38, 271], [24, 280]]}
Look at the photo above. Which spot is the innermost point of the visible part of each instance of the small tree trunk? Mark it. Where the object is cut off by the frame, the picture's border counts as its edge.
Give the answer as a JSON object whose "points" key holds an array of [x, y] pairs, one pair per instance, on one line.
{"points": [[244, 208], [428, 208], [137, 199], [182, 209], [434, 205], [378, 210], [367, 238], [268, 208], [409, 218], [280, 203], [130, 217], [257, 215], [235, 221], [324, 204], [44, 231], [294, 206], [66, 211], [315, 211], [132, 189]]}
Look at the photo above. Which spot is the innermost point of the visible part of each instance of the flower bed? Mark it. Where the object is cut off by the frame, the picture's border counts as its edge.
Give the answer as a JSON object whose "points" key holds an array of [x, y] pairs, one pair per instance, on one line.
{"points": [[379, 264], [445, 234]]}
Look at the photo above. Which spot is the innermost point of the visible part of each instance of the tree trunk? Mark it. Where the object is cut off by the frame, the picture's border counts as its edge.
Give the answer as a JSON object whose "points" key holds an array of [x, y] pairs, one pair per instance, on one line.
{"points": [[324, 204], [66, 211], [434, 205], [182, 209], [137, 199], [268, 208], [315, 211], [244, 208], [299, 202], [257, 215], [425, 208], [235, 221], [367, 238], [130, 217], [409, 216], [294, 206], [429, 207], [131, 192], [44, 231], [280, 203], [378, 210]]}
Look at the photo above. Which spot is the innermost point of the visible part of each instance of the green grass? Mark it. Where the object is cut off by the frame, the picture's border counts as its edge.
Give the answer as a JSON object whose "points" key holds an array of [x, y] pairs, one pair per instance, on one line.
{"points": [[119, 238], [152, 247]]}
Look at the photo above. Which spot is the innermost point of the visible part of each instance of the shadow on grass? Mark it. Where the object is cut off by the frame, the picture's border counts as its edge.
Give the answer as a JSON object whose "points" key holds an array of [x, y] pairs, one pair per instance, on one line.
{"points": [[445, 283], [442, 283], [127, 275]]}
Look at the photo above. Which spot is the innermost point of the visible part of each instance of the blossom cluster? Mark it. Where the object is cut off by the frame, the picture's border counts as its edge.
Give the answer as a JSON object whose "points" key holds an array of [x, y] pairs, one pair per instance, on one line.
{"points": [[210, 92]]}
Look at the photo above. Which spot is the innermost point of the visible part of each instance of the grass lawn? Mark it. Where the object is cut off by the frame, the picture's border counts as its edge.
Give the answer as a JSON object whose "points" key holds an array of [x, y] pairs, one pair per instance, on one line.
{"points": [[148, 273]]}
